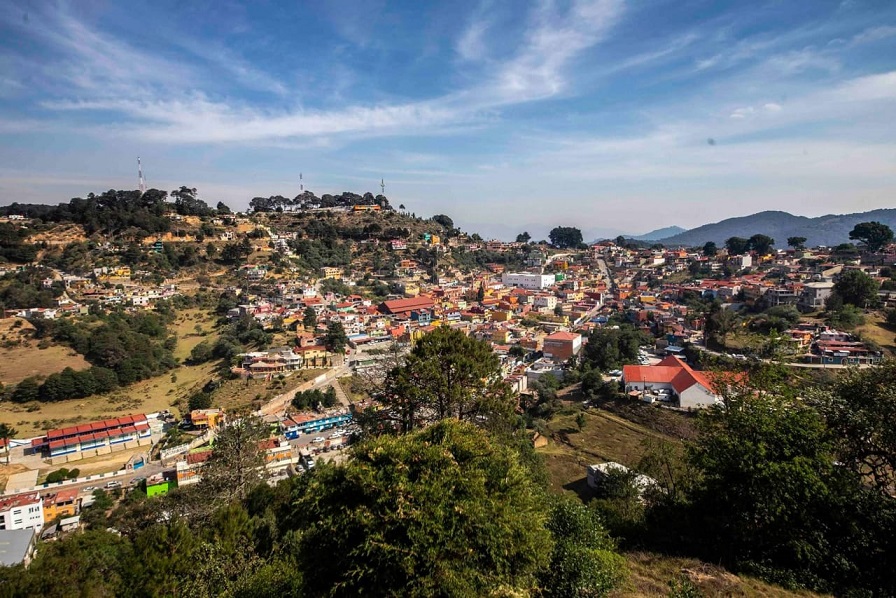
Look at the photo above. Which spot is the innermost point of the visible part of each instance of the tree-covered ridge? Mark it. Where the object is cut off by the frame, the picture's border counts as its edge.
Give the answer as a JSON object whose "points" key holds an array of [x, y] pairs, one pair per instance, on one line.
{"points": [[309, 200], [116, 211]]}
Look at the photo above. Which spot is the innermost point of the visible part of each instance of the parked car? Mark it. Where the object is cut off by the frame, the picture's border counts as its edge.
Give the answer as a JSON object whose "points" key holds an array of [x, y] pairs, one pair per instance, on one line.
{"points": [[113, 484], [318, 439]]}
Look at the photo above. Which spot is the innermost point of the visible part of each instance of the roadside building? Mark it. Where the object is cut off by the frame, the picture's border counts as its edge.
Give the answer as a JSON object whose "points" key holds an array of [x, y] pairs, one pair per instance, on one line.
{"points": [[64, 503], [22, 511]]}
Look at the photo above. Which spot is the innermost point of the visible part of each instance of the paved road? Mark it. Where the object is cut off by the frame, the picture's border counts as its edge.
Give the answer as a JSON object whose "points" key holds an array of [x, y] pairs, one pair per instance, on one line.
{"points": [[144, 472]]}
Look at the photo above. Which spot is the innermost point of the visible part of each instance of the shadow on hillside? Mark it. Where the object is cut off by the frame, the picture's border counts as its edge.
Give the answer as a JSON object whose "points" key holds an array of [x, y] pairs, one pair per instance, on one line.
{"points": [[581, 488]]}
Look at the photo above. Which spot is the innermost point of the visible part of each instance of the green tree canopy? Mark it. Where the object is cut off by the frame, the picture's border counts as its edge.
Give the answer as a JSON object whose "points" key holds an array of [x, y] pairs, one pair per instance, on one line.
{"points": [[336, 339], [523, 237], [237, 459], [447, 374], [737, 245], [796, 242], [608, 348], [761, 244], [565, 237], [444, 220], [710, 249], [873, 234], [856, 288], [444, 511], [309, 318]]}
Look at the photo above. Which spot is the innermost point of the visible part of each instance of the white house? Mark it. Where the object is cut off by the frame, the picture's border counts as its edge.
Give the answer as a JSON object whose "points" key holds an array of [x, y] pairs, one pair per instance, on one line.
{"points": [[693, 389], [528, 280], [22, 511]]}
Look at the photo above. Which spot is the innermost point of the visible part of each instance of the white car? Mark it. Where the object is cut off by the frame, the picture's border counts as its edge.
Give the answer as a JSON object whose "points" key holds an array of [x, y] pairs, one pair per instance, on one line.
{"points": [[318, 439]]}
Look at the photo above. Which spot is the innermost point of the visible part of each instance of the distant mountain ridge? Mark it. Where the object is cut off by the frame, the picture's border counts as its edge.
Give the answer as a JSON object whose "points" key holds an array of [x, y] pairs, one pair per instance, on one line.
{"points": [[660, 233], [829, 230]]}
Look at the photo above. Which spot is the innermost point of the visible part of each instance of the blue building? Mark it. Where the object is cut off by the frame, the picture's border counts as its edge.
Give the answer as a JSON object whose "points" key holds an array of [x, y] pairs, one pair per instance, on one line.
{"points": [[306, 423]]}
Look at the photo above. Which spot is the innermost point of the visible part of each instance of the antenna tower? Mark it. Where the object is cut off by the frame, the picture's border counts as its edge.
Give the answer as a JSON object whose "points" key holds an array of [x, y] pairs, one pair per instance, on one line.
{"points": [[301, 185], [383, 186], [140, 178]]}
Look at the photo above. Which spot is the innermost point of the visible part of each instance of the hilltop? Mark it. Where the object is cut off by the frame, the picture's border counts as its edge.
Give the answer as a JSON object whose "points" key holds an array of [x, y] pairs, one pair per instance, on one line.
{"points": [[660, 233], [829, 230]]}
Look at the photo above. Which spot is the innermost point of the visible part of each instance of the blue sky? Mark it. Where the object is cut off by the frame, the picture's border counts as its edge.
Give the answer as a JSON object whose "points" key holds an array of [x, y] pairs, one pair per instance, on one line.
{"points": [[603, 114]]}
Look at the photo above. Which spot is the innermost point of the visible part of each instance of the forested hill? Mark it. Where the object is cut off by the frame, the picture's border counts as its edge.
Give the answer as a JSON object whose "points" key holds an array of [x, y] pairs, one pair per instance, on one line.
{"points": [[830, 230], [115, 211]]}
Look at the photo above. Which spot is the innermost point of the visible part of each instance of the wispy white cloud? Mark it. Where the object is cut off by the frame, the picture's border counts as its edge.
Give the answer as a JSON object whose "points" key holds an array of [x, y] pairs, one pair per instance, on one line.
{"points": [[874, 34], [470, 45], [156, 110], [553, 40]]}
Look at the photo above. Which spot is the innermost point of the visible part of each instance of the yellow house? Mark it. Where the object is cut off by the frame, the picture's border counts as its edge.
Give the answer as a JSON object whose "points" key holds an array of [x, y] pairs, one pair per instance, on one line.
{"points": [[331, 272], [61, 504], [501, 316], [502, 337], [435, 240], [207, 418], [313, 355], [411, 289]]}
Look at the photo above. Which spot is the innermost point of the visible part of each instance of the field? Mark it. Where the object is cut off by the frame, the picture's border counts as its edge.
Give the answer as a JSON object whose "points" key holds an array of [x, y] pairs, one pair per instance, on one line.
{"points": [[147, 396], [22, 358], [875, 329]]}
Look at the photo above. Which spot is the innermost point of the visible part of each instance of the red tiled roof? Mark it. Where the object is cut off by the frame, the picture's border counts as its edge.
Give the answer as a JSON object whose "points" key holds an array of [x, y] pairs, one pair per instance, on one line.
{"points": [[562, 336], [19, 500], [194, 458], [405, 305], [670, 370]]}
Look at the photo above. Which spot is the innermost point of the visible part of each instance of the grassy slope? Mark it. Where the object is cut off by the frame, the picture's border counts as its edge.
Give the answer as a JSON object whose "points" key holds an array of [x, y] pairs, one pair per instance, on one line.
{"points": [[616, 432], [876, 329], [23, 358]]}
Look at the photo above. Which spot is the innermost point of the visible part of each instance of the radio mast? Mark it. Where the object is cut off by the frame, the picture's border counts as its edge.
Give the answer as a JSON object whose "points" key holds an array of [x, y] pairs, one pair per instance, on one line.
{"points": [[140, 179]]}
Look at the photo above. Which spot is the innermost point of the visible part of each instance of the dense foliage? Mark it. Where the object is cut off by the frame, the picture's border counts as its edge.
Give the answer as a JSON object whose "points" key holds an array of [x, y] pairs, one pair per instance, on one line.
{"points": [[446, 374], [873, 234], [446, 511], [312, 398], [565, 237]]}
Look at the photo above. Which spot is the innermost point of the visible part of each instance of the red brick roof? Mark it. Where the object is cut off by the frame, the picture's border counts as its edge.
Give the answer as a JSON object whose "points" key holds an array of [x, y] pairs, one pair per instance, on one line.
{"points": [[670, 370], [562, 336], [396, 306]]}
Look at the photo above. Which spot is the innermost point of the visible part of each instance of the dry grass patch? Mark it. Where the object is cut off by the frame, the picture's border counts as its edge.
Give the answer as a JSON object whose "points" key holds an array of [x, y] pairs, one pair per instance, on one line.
{"points": [[191, 327], [239, 394], [605, 437], [24, 357], [650, 574], [876, 330]]}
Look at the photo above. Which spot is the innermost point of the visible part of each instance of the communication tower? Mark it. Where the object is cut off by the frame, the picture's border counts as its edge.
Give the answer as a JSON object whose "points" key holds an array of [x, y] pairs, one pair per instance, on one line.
{"points": [[140, 179]]}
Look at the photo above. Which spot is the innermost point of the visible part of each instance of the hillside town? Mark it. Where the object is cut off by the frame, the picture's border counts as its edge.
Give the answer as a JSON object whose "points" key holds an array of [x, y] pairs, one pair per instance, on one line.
{"points": [[328, 336]]}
